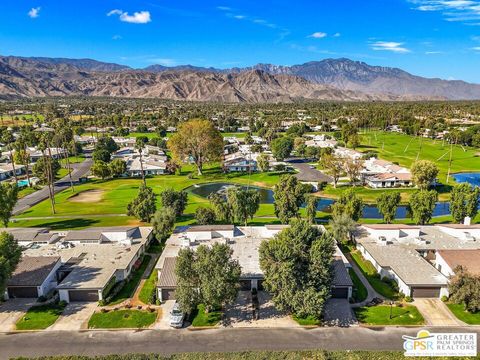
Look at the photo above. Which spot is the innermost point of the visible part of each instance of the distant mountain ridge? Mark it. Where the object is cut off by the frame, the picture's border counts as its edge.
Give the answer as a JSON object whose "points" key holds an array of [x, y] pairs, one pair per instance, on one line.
{"points": [[329, 79]]}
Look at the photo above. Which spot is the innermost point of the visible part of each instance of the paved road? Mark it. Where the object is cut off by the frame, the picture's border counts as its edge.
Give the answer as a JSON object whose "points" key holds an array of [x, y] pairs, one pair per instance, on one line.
{"points": [[79, 170], [306, 173], [219, 340]]}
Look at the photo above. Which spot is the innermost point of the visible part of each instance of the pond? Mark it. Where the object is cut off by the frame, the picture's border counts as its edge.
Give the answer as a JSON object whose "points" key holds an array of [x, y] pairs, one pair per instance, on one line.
{"points": [[266, 197], [472, 178]]}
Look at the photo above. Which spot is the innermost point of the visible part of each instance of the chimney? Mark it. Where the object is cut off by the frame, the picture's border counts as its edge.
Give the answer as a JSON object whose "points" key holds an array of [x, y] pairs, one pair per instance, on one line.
{"points": [[467, 221]]}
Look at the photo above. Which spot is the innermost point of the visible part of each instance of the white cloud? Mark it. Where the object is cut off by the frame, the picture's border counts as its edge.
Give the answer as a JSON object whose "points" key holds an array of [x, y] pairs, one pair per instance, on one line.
{"points": [[466, 11], [34, 12], [392, 46], [433, 52], [337, 34], [476, 48], [224, 8], [138, 17], [318, 35], [116, 37], [239, 17]]}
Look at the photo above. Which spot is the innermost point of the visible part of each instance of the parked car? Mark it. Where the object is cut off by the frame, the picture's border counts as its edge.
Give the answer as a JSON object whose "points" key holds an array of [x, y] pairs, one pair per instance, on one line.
{"points": [[176, 317]]}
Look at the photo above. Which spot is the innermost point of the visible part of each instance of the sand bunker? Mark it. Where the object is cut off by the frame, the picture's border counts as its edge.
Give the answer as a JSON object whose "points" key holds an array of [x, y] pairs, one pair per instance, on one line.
{"points": [[88, 196]]}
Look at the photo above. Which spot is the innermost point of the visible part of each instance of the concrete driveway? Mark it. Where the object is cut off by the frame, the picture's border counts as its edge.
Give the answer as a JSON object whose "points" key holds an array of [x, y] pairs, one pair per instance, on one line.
{"points": [[163, 321], [75, 316], [436, 312], [338, 312], [240, 313], [12, 310]]}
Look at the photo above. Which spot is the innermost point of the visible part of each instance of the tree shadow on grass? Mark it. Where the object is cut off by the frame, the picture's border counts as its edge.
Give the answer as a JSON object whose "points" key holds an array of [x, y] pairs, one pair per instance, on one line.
{"points": [[68, 224]]}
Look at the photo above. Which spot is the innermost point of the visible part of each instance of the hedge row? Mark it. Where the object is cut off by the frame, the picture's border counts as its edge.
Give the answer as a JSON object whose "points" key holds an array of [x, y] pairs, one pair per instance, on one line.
{"points": [[260, 355]]}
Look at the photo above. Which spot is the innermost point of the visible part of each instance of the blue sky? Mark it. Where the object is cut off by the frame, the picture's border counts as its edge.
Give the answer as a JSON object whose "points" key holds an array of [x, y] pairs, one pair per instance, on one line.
{"points": [[434, 38]]}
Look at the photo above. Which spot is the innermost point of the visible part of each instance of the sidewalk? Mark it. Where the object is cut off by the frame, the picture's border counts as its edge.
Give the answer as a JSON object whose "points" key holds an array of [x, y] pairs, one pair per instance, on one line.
{"points": [[371, 291]]}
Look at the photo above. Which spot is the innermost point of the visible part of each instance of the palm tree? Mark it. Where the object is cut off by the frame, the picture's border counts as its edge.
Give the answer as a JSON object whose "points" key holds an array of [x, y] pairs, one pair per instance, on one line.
{"points": [[43, 146], [140, 145], [9, 142], [342, 227]]}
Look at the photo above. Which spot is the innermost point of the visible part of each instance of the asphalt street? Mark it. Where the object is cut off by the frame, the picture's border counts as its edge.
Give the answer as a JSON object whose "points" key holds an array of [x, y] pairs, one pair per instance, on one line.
{"points": [[34, 344], [306, 173], [79, 170]]}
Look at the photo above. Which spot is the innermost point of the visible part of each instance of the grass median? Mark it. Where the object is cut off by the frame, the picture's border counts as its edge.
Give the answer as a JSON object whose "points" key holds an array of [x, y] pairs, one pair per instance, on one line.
{"points": [[40, 317], [380, 315], [122, 319]]}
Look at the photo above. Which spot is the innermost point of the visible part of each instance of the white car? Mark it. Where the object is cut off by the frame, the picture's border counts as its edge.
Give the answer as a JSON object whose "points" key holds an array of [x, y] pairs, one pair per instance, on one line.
{"points": [[176, 317]]}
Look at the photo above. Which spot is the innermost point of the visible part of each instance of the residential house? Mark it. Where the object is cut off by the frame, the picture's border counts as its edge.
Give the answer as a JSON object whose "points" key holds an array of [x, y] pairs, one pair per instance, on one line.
{"points": [[93, 260], [378, 173], [412, 255], [7, 171], [244, 242], [33, 277]]}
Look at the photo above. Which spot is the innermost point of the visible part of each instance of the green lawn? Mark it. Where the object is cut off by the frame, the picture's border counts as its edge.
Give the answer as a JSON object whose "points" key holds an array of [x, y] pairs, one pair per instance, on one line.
{"points": [[360, 292], [122, 319], [404, 149], [72, 160], [40, 317], [465, 316], [24, 191], [308, 321], [201, 318], [239, 135], [149, 135], [148, 288], [369, 271], [129, 287], [117, 193], [380, 315], [370, 196]]}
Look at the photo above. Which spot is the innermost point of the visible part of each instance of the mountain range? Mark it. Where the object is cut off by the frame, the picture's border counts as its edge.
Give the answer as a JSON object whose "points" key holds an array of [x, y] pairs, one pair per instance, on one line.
{"points": [[329, 79]]}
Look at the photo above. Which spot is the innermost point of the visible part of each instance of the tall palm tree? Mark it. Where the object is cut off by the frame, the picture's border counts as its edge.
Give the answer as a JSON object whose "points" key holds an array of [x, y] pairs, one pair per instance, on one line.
{"points": [[140, 145], [44, 146], [9, 142]]}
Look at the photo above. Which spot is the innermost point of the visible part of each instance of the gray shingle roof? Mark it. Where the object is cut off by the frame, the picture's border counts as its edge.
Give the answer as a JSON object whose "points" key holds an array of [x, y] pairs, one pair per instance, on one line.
{"points": [[167, 274], [32, 271], [340, 275]]}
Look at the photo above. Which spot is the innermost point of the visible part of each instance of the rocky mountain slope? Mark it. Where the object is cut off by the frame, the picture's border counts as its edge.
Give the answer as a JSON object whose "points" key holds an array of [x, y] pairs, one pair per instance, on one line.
{"points": [[20, 77], [341, 79], [346, 74]]}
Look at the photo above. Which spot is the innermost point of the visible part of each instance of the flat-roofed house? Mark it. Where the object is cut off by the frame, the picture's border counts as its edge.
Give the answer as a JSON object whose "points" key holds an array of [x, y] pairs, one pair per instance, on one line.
{"points": [[31, 236], [95, 259], [7, 171], [33, 277], [245, 243], [447, 261], [415, 257]]}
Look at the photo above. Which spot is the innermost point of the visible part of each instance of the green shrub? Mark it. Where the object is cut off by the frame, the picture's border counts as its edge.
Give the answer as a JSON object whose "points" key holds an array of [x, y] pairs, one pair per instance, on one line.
{"points": [[444, 298]]}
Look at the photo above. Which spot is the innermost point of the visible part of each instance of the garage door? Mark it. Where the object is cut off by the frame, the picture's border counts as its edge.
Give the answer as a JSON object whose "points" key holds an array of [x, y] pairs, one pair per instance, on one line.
{"points": [[340, 293], [260, 285], [425, 292], [245, 285], [83, 295], [168, 294], [23, 292]]}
